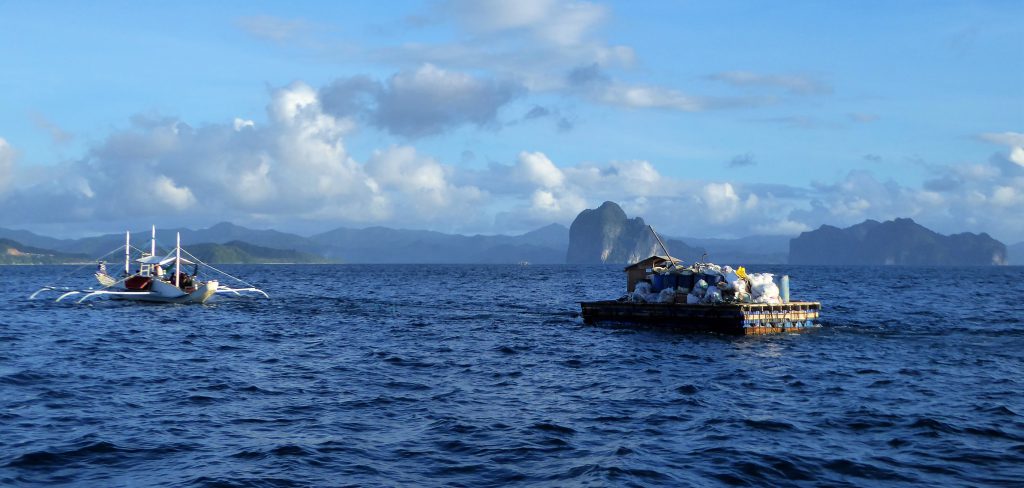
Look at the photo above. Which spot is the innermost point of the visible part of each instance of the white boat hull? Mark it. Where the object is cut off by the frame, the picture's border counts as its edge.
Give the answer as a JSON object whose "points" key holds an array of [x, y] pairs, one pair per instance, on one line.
{"points": [[166, 293]]}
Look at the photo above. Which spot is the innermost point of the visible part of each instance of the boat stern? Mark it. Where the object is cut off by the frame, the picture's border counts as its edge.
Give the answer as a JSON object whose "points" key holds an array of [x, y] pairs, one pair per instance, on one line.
{"points": [[204, 292]]}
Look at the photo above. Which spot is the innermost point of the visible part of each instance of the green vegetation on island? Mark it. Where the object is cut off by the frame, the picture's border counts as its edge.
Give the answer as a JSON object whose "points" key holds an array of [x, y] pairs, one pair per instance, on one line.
{"points": [[13, 252], [238, 252]]}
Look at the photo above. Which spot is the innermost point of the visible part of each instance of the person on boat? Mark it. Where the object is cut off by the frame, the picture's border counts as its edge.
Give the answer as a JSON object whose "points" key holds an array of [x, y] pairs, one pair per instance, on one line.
{"points": [[184, 281], [158, 271]]}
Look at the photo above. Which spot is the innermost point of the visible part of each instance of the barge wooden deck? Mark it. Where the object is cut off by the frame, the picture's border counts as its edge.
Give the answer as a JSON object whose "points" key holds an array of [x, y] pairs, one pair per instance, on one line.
{"points": [[726, 318]]}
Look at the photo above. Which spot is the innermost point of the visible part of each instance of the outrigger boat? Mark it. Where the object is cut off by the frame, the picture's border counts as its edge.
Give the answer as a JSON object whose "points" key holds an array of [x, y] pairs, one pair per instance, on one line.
{"points": [[156, 279]]}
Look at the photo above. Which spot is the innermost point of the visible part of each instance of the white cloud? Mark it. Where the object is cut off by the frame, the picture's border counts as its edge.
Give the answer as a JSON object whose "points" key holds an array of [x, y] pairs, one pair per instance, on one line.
{"points": [[975, 197], [57, 134], [721, 202], [593, 82], [254, 185], [534, 42], [422, 181], [309, 145], [538, 169], [178, 197], [1005, 138], [633, 179], [546, 204], [295, 167], [709, 208], [1017, 155], [784, 227], [289, 103], [1008, 196], [1015, 140], [421, 102], [572, 23], [634, 96], [563, 23], [799, 84], [272, 28], [430, 99], [243, 123], [497, 15], [6, 163]]}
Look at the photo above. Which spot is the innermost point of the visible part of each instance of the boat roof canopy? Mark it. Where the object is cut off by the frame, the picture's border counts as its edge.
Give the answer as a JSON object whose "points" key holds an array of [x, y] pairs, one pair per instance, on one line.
{"points": [[160, 260]]}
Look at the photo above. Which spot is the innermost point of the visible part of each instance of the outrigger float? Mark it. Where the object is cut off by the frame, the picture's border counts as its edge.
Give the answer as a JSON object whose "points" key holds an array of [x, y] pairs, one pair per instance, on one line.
{"points": [[662, 293], [157, 278]]}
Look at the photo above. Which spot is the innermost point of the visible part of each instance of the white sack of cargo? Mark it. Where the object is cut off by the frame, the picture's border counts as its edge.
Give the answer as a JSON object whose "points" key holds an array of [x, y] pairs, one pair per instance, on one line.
{"points": [[699, 288], [713, 295], [644, 298], [710, 268], [732, 278], [668, 295], [763, 289], [640, 292], [759, 282], [692, 299], [770, 295]]}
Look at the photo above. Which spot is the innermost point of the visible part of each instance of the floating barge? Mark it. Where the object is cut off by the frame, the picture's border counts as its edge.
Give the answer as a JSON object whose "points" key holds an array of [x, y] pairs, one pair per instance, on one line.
{"points": [[724, 318]]}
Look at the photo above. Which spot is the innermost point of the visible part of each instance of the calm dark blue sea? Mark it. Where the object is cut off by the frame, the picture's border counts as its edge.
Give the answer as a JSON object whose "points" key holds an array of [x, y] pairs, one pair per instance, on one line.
{"points": [[484, 376]]}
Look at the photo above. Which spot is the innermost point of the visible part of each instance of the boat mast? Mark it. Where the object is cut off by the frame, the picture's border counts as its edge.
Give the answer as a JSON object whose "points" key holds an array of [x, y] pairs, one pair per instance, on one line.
{"points": [[127, 252], [152, 242], [177, 262]]}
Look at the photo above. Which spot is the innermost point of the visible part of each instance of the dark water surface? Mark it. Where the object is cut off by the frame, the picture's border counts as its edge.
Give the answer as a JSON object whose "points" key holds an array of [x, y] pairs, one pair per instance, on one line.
{"points": [[484, 376]]}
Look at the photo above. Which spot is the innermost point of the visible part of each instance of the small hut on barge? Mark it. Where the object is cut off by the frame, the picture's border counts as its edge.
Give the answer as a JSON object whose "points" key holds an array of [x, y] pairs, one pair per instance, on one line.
{"points": [[663, 293]]}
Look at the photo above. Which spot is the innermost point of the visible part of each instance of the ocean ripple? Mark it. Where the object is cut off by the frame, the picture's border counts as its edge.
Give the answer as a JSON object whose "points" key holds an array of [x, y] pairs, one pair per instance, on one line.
{"points": [[485, 376]]}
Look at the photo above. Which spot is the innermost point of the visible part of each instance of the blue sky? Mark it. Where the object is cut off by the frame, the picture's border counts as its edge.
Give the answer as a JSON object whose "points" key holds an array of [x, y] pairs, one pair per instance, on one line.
{"points": [[707, 118]]}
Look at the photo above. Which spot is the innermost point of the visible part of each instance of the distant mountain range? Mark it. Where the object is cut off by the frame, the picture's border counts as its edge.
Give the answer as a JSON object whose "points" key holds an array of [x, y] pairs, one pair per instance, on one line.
{"points": [[744, 250], [371, 245], [234, 252], [602, 235], [383, 245], [218, 234], [894, 242]]}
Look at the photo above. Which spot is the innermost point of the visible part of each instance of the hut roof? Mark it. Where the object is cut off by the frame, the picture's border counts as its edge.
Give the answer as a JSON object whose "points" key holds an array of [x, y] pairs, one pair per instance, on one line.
{"points": [[646, 263]]}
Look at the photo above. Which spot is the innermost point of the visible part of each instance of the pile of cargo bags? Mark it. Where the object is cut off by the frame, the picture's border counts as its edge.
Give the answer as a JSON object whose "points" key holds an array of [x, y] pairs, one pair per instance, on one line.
{"points": [[706, 283]]}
